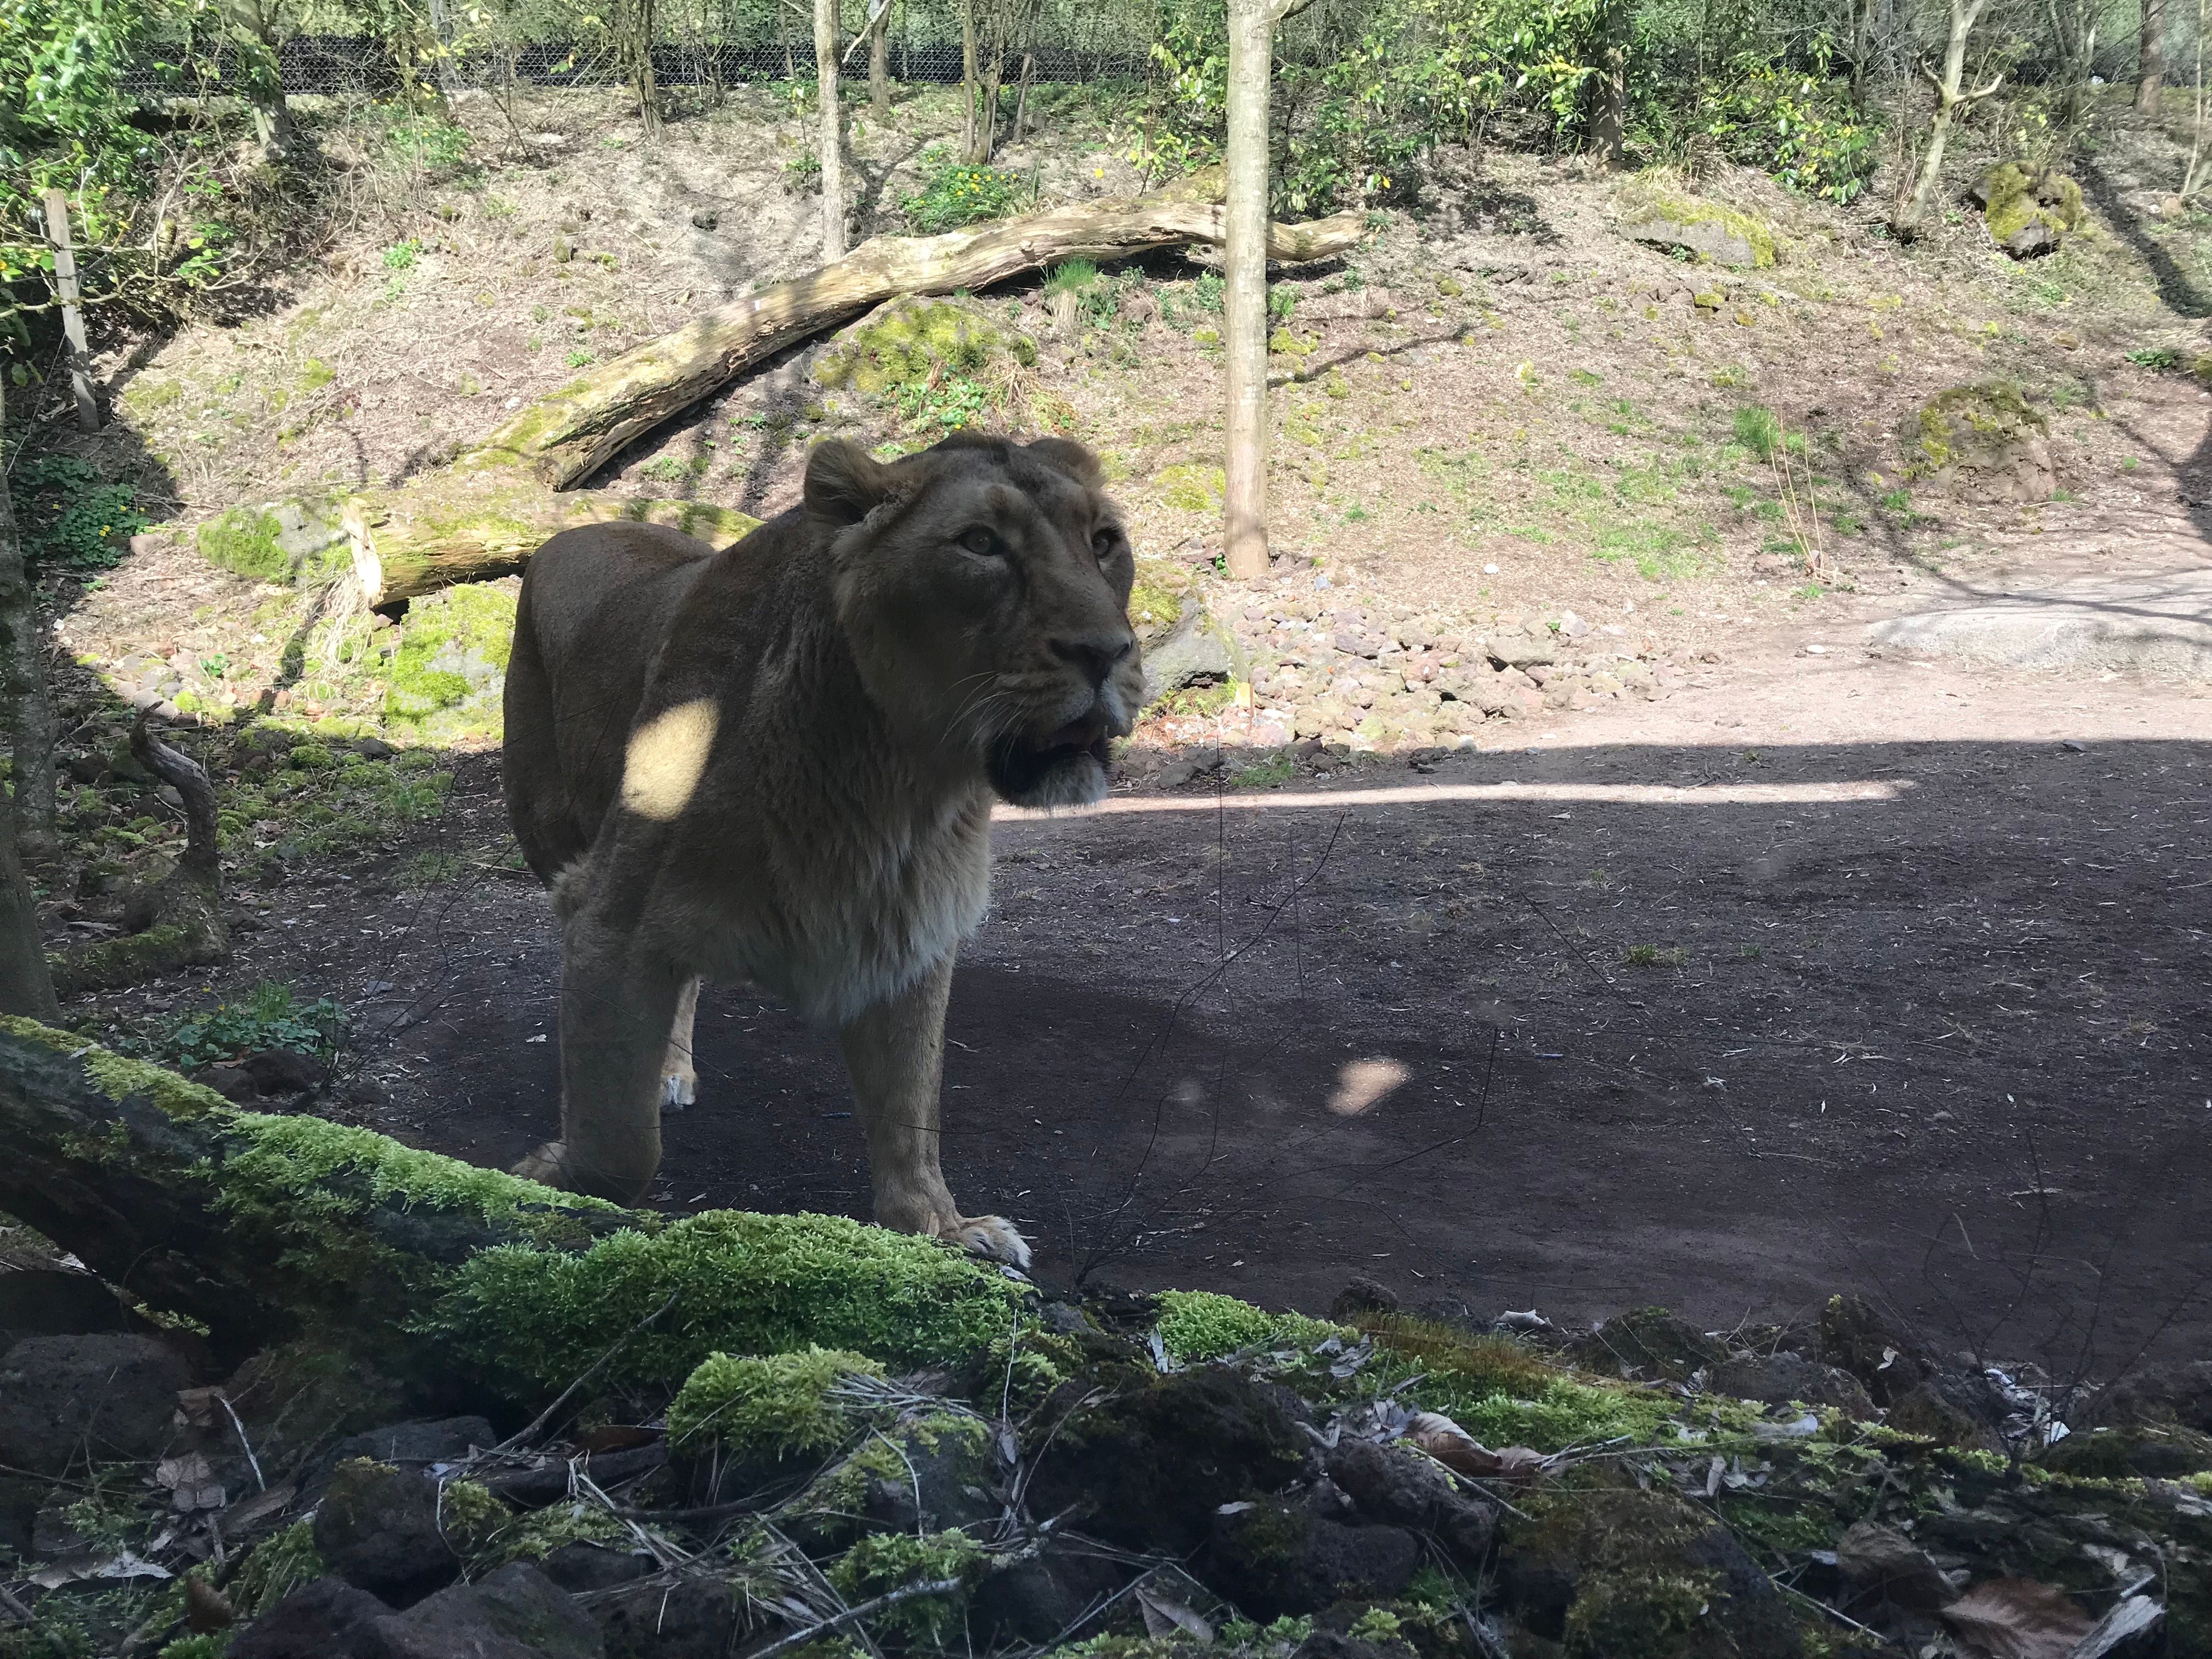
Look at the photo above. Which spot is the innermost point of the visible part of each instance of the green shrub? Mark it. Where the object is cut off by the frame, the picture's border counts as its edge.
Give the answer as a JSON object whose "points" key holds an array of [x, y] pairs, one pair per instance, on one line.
{"points": [[267, 1018], [69, 518]]}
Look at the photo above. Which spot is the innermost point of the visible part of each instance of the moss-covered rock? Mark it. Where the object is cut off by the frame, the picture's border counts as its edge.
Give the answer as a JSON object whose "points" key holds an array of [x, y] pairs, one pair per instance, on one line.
{"points": [[2029, 211], [1193, 486], [283, 542], [1648, 1343], [909, 343], [1709, 231], [1156, 598], [2159, 1452], [450, 673], [930, 1470], [1197, 1325], [886, 1562], [1616, 1573], [1984, 440]]}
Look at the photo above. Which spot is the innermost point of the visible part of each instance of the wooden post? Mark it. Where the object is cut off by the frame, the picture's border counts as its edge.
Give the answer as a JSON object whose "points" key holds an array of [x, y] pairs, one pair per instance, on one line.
{"points": [[57, 230]]}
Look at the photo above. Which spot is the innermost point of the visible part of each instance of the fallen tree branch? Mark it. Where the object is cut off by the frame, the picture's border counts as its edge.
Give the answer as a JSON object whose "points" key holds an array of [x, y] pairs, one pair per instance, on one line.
{"points": [[484, 515], [177, 922]]}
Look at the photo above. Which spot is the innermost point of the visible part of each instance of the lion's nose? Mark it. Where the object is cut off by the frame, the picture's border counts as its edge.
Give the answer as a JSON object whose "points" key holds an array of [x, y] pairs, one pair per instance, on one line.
{"points": [[1094, 654]]}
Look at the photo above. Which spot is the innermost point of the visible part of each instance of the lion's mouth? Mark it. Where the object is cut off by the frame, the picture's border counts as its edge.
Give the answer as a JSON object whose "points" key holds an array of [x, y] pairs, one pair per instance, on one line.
{"points": [[1030, 770]]}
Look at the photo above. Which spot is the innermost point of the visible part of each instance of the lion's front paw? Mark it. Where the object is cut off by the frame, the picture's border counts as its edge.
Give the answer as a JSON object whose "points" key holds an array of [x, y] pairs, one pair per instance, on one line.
{"points": [[548, 1165], [678, 1089], [993, 1236]]}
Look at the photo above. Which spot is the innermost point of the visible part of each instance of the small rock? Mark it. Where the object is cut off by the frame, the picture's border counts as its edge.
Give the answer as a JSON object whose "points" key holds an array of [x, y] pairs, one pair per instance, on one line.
{"points": [[1276, 1559], [1192, 655], [377, 1528], [1572, 626], [706, 219], [230, 1082], [319, 1620], [517, 1602], [583, 1568], [1648, 1343], [374, 748], [1781, 1379], [283, 1072], [1362, 1295], [2158, 1394]]}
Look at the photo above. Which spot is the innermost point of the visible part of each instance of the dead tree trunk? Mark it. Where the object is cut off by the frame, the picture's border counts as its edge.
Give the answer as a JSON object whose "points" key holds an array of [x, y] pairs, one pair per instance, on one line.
{"points": [[567, 434], [1244, 293], [27, 987], [484, 515], [178, 921], [831, 138], [1951, 94], [24, 682], [256, 41]]}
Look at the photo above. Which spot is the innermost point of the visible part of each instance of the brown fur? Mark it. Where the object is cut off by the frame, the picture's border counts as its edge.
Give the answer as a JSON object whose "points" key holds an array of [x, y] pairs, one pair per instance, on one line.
{"points": [[777, 762]]}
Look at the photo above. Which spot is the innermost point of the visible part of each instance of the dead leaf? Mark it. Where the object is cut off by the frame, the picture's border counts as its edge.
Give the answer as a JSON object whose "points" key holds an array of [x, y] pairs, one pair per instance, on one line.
{"points": [[71, 1569], [1164, 1617], [1881, 1564], [1456, 1449], [249, 1512], [206, 1607], [196, 1409], [190, 1482], [2017, 1618]]}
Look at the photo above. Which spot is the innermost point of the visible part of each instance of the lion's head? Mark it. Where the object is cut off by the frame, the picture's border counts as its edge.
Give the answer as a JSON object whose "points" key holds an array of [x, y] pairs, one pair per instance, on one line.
{"points": [[983, 588]]}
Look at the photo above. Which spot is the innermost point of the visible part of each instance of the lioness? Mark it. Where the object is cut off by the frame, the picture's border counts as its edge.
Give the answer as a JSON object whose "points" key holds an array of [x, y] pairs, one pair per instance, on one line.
{"points": [[777, 762]]}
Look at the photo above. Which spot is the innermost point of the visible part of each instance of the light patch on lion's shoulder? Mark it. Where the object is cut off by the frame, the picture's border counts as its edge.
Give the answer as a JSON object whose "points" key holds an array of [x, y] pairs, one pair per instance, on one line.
{"points": [[666, 758]]}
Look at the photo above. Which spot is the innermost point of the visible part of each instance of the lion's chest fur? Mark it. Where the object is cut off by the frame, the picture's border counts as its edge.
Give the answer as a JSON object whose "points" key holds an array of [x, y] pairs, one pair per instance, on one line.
{"points": [[843, 912]]}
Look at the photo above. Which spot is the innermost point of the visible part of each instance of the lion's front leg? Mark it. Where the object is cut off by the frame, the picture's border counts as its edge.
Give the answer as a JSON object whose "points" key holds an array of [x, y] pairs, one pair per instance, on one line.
{"points": [[894, 1053], [618, 1002]]}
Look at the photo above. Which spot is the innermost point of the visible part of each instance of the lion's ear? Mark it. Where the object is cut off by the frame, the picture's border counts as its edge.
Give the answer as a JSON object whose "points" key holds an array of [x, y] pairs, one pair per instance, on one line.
{"points": [[844, 483], [1071, 458]]}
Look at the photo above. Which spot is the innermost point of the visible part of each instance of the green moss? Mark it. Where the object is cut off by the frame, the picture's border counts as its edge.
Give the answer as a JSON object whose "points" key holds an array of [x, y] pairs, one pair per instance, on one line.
{"points": [[1156, 597], [244, 540], [767, 1406], [446, 681], [1686, 210], [1974, 424], [120, 1076], [310, 758], [1198, 1325], [758, 1284], [1193, 486], [909, 343], [2011, 194], [888, 1561]]}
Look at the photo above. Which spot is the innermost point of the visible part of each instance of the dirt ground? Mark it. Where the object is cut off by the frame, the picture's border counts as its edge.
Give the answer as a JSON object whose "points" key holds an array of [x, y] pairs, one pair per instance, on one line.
{"points": [[1835, 970]]}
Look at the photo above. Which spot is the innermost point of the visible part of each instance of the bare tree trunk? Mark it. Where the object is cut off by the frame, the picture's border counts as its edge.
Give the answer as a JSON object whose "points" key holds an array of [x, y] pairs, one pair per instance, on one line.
{"points": [[833, 131], [24, 681], [250, 31], [1244, 294], [2150, 58], [1609, 118], [645, 83], [1862, 48], [26, 987], [967, 80], [1951, 92], [879, 66]]}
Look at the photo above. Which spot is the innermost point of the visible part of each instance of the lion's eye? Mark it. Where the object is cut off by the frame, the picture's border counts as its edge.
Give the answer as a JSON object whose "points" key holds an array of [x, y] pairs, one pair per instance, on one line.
{"points": [[1102, 541], [981, 543]]}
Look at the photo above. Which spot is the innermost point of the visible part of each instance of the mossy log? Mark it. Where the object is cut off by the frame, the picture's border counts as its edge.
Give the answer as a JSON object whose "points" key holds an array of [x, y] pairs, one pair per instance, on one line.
{"points": [[563, 437], [484, 515], [262, 1228], [475, 522]]}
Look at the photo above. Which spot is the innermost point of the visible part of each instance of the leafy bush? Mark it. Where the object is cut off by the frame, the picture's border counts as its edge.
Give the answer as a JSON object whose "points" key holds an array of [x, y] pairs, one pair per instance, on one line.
{"points": [[1801, 129], [956, 194], [69, 518], [267, 1018]]}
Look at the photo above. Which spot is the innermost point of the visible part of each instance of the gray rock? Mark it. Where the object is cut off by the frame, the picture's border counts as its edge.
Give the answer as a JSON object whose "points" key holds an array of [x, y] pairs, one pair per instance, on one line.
{"points": [[322, 1620], [1648, 1343], [377, 1528], [1193, 653], [50, 1301], [1277, 1559], [108, 1397], [583, 1568], [1517, 648], [1709, 239], [412, 1446], [2033, 240], [1390, 1484], [2159, 625], [1780, 1379], [2158, 1394], [519, 1602]]}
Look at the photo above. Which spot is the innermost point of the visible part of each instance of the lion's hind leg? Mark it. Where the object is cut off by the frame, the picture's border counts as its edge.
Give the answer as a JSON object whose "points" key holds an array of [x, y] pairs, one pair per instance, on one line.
{"points": [[679, 1080]]}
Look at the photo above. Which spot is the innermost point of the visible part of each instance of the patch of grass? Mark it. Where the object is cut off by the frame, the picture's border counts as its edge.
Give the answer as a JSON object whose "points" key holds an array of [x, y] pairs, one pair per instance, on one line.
{"points": [[1758, 429], [577, 357], [1276, 769], [1654, 956]]}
